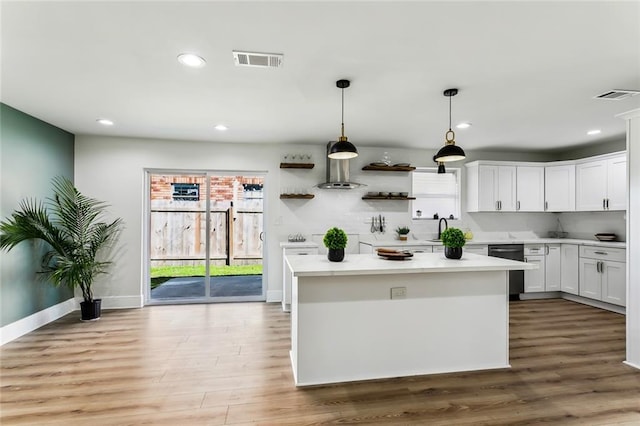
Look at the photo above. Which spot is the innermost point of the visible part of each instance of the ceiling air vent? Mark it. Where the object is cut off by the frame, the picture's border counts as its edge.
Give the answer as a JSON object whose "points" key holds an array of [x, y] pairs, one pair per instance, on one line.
{"points": [[617, 94], [255, 59]]}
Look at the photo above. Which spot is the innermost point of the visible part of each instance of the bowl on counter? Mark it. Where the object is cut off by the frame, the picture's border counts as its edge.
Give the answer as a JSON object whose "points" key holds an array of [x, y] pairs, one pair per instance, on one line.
{"points": [[606, 236], [404, 194], [383, 194], [394, 194]]}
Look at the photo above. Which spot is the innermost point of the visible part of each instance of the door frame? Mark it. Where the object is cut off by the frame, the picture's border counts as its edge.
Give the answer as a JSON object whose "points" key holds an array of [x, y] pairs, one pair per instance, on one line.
{"points": [[146, 237]]}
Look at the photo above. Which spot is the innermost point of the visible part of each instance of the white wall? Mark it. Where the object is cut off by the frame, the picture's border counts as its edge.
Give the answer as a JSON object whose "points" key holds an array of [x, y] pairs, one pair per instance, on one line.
{"points": [[112, 169], [633, 244]]}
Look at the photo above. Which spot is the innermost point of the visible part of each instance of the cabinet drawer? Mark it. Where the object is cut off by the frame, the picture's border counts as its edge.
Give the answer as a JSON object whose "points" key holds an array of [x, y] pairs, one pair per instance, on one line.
{"points": [[534, 249], [603, 253]]}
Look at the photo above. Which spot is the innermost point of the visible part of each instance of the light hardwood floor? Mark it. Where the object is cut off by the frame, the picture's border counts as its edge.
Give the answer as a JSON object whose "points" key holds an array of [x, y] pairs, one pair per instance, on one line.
{"points": [[229, 364]]}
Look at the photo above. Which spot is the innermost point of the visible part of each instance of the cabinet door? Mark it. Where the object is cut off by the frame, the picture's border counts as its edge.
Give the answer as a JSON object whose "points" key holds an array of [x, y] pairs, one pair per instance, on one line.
{"points": [[534, 278], [477, 249], [590, 279], [487, 188], [569, 268], [552, 268], [614, 278], [530, 188], [617, 183], [591, 185], [507, 188], [560, 188]]}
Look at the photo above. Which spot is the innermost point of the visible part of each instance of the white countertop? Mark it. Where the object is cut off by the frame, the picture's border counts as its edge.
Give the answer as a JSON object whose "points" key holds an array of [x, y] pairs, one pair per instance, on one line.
{"points": [[366, 264], [298, 244], [397, 243]]}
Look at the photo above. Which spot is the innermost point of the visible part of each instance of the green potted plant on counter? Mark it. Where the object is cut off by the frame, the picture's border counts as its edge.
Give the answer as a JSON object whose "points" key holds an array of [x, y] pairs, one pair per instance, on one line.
{"points": [[335, 239], [453, 241], [77, 237], [402, 232]]}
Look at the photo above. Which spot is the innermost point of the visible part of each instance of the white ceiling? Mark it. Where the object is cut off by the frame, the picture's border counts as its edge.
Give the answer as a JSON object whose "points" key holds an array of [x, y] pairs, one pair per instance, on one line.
{"points": [[527, 71]]}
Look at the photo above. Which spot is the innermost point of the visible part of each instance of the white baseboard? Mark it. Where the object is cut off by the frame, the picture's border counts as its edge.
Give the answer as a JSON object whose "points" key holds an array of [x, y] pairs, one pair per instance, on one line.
{"points": [[595, 303], [274, 296], [27, 324], [631, 364], [122, 302]]}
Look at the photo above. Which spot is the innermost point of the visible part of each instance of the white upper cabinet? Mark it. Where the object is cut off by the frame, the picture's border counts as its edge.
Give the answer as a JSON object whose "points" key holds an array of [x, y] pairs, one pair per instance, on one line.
{"points": [[617, 183], [491, 188], [590, 184], [560, 188], [601, 184], [530, 188]]}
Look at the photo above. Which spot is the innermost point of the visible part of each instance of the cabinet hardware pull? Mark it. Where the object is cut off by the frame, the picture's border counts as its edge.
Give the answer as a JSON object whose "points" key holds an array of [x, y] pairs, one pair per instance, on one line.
{"points": [[517, 205], [496, 205], [547, 253], [607, 204], [604, 204], [546, 205], [601, 252], [500, 205], [598, 267]]}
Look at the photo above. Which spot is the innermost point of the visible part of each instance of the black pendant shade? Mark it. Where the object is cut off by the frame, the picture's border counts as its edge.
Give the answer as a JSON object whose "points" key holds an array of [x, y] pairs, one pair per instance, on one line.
{"points": [[342, 149], [450, 151]]}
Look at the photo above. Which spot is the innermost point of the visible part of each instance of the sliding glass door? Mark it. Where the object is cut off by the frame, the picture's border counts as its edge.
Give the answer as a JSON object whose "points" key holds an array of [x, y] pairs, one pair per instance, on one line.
{"points": [[205, 237]]}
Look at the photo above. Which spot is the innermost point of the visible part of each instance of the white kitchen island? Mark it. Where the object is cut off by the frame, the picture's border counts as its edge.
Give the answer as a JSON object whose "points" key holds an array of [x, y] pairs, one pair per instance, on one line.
{"points": [[345, 326]]}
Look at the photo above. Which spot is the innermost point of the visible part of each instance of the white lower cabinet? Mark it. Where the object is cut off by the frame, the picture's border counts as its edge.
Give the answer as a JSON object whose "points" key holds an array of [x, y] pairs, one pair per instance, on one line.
{"points": [[287, 278], [603, 274], [552, 268], [469, 248], [569, 268], [534, 278]]}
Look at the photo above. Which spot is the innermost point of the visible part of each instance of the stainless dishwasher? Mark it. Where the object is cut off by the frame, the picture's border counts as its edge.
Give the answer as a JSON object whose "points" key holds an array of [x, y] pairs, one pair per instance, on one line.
{"points": [[516, 278]]}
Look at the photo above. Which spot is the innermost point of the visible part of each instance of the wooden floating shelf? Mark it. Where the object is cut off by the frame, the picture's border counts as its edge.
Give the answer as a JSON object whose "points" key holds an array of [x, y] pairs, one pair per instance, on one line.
{"points": [[368, 197], [389, 168], [297, 165], [298, 196]]}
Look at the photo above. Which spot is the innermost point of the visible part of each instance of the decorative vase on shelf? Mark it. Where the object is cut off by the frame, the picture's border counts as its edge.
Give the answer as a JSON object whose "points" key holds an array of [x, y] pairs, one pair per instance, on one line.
{"points": [[336, 255], [453, 252]]}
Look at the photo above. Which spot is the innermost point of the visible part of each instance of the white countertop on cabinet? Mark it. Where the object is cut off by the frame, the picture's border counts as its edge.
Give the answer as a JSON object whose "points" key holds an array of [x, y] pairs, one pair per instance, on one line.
{"points": [[365, 264], [397, 243]]}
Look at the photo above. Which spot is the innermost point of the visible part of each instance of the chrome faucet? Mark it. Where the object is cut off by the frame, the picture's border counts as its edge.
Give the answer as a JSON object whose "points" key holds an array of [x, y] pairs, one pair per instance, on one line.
{"points": [[446, 225]]}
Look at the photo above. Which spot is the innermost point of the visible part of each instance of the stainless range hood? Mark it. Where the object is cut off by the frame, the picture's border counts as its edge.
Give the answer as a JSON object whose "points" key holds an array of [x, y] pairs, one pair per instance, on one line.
{"points": [[337, 173]]}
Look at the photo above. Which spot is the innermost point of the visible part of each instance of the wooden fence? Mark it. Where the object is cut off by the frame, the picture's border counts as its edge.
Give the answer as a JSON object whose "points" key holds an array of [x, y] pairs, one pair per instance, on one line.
{"points": [[178, 237]]}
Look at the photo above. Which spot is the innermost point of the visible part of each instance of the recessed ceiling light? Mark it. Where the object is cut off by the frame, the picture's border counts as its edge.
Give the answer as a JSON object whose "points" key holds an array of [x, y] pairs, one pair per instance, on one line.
{"points": [[594, 132], [105, 121], [463, 125], [221, 127], [191, 60]]}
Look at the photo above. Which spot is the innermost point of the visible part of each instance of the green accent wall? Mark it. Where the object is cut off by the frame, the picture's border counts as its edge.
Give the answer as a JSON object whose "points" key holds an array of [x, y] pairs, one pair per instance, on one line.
{"points": [[32, 152]]}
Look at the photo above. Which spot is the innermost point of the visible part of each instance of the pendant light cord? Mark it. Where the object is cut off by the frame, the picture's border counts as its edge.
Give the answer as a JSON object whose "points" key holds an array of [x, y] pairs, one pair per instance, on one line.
{"points": [[449, 112], [342, 118]]}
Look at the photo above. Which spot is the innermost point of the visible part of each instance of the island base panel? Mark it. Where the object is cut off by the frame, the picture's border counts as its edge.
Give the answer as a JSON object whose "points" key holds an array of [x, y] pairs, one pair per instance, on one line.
{"points": [[348, 328]]}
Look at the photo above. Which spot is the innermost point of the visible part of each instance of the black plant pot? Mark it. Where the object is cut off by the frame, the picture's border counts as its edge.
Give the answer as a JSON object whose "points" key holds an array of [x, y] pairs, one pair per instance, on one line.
{"points": [[336, 255], [453, 252], [91, 311]]}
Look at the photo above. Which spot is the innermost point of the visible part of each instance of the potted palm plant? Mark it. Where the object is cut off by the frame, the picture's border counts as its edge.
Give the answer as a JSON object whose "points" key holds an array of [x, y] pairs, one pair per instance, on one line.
{"points": [[335, 239], [77, 237], [402, 232], [453, 241]]}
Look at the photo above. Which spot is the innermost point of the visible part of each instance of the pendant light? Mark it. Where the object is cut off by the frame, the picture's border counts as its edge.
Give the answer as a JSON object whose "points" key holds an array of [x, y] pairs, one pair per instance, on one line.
{"points": [[450, 151], [441, 169], [343, 149]]}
